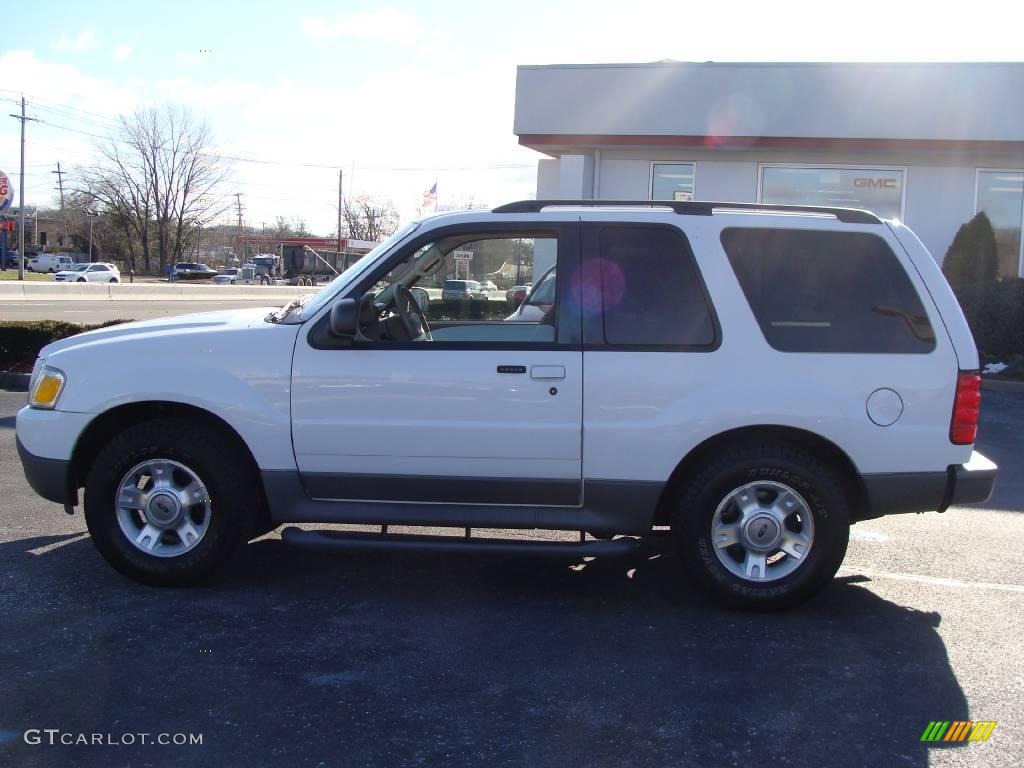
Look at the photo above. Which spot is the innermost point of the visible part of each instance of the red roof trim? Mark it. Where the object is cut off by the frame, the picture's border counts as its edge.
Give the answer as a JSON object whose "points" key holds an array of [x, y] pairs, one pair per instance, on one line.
{"points": [[763, 142]]}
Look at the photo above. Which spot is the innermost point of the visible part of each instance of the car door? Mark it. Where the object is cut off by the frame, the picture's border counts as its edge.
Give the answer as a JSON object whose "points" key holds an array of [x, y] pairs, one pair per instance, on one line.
{"points": [[97, 273], [486, 412]]}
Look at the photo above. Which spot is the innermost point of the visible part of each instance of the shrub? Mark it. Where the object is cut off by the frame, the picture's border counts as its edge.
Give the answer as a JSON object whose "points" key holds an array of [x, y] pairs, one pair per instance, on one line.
{"points": [[973, 256], [995, 312], [21, 340]]}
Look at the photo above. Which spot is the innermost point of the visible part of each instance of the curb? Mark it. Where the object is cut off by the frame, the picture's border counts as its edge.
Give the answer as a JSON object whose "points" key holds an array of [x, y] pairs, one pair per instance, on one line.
{"points": [[15, 382]]}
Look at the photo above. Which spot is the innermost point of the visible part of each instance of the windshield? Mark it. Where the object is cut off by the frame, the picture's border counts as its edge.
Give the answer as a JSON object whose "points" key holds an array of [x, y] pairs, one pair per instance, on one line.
{"points": [[310, 305]]}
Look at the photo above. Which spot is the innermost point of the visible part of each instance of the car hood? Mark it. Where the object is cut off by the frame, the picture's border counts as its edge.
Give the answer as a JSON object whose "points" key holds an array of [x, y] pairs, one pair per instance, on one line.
{"points": [[67, 272], [198, 322]]}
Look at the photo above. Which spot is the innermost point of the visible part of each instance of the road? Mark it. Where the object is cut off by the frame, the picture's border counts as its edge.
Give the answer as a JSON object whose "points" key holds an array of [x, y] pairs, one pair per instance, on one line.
{"points": [[300, 659]]}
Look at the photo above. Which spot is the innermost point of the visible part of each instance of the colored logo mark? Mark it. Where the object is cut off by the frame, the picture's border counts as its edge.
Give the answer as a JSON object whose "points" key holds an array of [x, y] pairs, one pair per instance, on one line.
{"points": [[958, 730]]}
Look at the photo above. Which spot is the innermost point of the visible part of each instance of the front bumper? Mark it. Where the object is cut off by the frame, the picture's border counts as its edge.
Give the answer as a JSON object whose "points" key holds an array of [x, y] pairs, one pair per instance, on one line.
{"points": [[900, 492], [50, 478]]}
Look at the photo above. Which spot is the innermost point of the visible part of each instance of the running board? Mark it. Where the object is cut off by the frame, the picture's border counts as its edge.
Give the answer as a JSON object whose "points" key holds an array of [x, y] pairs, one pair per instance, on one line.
{"points": [[356, 540]]}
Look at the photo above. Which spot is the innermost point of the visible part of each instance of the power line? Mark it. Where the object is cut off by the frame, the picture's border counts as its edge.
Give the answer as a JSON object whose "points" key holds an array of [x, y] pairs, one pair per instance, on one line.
{"points": [[292, 164]]}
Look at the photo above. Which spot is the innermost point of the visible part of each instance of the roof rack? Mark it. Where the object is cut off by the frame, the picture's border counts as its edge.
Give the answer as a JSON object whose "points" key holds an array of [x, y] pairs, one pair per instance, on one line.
{"points": [[847, 215]]}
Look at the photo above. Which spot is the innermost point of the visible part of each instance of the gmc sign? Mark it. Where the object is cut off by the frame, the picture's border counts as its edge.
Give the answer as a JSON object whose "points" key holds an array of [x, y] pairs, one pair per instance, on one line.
{"points": [[863, 181]]}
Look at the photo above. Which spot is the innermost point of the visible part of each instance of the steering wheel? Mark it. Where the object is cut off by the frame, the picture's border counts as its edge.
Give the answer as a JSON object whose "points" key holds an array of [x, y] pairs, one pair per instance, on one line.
{"points": [[412, 317]]}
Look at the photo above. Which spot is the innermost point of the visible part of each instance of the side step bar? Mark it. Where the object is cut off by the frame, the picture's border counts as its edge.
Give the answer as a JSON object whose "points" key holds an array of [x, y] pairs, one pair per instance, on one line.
{"points": [[358, 540]]}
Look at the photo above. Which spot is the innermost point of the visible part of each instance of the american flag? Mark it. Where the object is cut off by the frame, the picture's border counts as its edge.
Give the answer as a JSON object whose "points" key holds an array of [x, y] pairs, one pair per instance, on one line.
{"points": [[430, 196]]}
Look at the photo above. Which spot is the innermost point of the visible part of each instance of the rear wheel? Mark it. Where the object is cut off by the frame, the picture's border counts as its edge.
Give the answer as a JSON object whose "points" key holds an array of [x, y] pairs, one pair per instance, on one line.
{"points": [[167, 502], [80, 280], [113, 279], [763, 526]]}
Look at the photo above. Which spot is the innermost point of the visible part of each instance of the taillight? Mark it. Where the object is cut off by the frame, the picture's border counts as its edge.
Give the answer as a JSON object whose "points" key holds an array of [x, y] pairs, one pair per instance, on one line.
{"points": [[963, 428]]}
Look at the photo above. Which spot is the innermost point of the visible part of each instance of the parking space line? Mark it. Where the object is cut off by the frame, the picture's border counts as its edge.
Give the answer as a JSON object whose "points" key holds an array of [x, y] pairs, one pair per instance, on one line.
{"points": [[934, 580]]}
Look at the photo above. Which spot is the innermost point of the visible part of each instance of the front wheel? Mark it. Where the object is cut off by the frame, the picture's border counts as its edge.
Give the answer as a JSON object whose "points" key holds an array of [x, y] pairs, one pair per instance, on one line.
{"points": [[763, 526], [167, 502]]}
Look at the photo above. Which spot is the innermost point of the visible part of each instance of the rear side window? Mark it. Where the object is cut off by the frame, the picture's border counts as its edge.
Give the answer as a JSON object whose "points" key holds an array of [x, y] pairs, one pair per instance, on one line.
{"points": [[651, 291], [840, 292]]}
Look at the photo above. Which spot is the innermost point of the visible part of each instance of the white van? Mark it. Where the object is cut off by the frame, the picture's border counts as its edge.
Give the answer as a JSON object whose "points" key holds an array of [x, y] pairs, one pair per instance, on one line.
{"points": [[50, 262]]}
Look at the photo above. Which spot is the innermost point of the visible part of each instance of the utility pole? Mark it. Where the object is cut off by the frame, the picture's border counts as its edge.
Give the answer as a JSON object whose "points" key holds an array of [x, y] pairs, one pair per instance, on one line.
{"points": [[339, 213], [63, 213], [238, 203], [21, 193], [90, 215]]}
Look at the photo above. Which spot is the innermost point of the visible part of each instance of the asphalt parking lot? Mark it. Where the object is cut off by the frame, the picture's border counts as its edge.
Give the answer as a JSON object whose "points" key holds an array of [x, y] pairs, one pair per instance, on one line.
{"points": [[298, 659]]}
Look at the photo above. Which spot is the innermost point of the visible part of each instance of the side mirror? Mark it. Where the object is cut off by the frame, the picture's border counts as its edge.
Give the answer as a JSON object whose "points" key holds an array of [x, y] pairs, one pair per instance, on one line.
{"points": [[344, 319]]}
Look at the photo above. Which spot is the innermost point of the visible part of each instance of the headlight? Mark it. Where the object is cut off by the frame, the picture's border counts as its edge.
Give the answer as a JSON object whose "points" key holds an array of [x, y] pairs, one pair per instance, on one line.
{"points": [[47, 388]]}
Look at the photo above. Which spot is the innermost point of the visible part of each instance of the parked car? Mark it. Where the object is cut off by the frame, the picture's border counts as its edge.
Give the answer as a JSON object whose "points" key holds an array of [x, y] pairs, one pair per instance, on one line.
{"points": [[488, 286], [227, 277], [49, 262], [756, 383], [538, 301], [517, 293], [188, 270], [10, 261], [462, 290], [72, 273], [96, 272]]}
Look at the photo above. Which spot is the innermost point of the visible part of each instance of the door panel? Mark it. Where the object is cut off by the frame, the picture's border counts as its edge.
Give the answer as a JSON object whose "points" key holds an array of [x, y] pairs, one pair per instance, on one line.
{"points": [[444, 423]]}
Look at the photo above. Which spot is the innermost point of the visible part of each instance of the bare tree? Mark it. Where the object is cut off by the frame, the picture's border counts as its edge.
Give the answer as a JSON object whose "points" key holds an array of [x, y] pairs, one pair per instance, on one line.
{"points": [[461, 203], [368, 218], [158, 180]]}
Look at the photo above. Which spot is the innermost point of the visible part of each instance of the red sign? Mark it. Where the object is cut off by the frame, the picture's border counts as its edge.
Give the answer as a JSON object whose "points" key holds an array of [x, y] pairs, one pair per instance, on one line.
{"points": [[5, 191], [8, 225]]}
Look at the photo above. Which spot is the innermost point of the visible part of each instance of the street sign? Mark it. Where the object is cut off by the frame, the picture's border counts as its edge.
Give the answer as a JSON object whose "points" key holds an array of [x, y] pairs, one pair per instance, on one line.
{"points": [[6, 195], [462, 255]]}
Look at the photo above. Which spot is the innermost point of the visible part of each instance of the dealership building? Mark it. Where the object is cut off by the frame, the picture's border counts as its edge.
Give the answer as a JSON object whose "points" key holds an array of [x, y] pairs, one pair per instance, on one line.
{"points": [[929, 144]]}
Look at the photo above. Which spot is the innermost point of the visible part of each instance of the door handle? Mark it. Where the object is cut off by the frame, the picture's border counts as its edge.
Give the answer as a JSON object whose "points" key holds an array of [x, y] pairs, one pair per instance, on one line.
{"points": [[547, 372]]}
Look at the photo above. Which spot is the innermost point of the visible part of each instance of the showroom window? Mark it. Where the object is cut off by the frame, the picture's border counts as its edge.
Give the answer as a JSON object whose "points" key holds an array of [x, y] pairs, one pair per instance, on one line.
{"points": [[879, 190], [672, 181], [1001, 197]]}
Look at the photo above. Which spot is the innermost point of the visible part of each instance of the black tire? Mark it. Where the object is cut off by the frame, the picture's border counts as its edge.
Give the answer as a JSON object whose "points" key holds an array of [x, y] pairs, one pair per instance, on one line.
{"points": [[113, 279], [234, 509], [80, 280], [814, 480]]}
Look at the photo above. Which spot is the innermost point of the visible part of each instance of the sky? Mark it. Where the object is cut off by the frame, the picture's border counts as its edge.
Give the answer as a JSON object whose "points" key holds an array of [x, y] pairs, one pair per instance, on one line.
{"points": [[399, 95]]}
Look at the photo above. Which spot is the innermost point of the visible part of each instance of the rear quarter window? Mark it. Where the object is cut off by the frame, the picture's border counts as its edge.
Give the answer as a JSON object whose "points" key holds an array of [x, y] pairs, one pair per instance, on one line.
{"points": [[838, 292]]}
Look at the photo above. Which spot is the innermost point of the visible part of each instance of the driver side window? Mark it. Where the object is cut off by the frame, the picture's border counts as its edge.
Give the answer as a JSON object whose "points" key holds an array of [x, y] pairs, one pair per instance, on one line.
{"points": [[468, 289]]}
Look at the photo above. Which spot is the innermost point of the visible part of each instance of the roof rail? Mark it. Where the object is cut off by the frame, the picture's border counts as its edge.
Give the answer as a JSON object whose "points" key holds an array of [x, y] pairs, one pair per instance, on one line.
{"points": [[847, 215]]}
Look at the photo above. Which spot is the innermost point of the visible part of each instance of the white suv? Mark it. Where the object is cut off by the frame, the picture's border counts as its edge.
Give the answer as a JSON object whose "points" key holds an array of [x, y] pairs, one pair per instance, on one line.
{"points": [[755, 377]]}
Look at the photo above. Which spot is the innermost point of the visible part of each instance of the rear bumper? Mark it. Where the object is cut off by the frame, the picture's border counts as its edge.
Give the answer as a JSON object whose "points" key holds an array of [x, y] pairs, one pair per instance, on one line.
{"points": [[50, 478], [897, 493], [971, 483]]}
